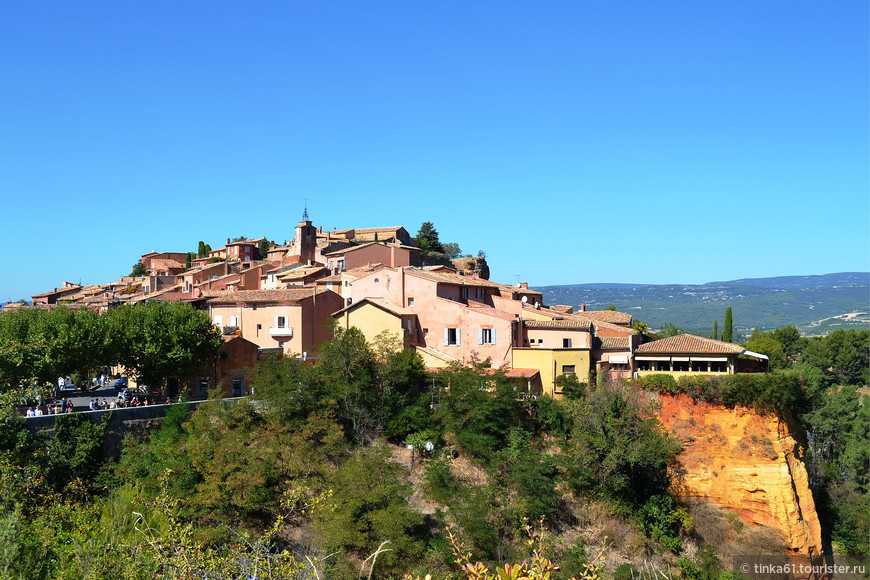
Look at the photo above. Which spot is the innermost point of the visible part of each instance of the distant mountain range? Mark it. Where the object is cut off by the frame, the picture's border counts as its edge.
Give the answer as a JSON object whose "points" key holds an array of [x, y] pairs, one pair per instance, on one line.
{"points": [[814, 304]]}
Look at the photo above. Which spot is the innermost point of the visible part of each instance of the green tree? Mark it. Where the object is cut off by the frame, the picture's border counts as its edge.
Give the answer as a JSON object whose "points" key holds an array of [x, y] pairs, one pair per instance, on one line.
{"points": [[265, 246], [715, 330], [669, 329], [621, 451], [452, 250], [791, 340], [201, 251], [138, 270], [766, 343], [38, 345], [728, 329], [427, 239], [158, 340]]}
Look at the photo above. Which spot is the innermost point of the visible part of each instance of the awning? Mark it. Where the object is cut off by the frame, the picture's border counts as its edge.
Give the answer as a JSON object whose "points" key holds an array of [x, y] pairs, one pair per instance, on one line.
{"points": [[711, 358], [756, 355], [667, 358], [680, 358], [618, 359]]}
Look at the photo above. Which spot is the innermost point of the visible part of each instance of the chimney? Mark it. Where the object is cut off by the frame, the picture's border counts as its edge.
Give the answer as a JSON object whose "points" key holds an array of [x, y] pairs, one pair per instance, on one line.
{"points": [[228, 241], [524, 285], [582, 308]]}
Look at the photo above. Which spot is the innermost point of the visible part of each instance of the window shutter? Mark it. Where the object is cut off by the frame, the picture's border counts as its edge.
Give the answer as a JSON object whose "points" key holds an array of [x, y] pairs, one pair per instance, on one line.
{"points": [[479, 336], [459, 336], [493, 336], [446, 336]]}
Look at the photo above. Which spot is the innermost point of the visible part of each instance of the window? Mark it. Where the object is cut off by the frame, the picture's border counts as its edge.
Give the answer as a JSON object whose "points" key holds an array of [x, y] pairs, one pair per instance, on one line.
{"points": [[347, 284], [719, 367], [234, 320], [681, 366], [452, 337], [280, 322], [218, 320], [644, 365], [425, 333], [238, 387], [566, 343], [486, 336], [663, 365], [410, 301], [568, 369], [699, 366], [341, 264]]}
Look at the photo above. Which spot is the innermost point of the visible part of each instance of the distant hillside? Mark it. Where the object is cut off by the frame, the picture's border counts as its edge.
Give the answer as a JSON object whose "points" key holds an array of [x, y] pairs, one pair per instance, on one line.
{"points": [[814, 304]]}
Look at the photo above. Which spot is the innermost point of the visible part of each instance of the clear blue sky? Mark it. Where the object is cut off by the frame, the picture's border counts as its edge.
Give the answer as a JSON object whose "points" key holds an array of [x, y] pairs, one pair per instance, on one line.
{"points": [[645, 142]]}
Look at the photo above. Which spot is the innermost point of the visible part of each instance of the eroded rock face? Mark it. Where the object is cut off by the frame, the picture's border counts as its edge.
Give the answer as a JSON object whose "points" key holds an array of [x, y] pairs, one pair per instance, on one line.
{"points": [[748, 463]]}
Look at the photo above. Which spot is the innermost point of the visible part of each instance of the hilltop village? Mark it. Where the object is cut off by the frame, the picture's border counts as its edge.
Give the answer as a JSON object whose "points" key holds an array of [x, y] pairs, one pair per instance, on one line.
{"points": [[288, 301]]}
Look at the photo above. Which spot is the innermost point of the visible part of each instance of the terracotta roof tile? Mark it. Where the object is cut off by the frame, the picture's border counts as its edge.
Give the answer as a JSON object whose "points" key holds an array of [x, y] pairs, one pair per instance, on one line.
{"points": [[487, 310], [612, 343], [381, 303], [449, 278], [288, 295], [689, 344], [563, 324], [611, 316]]}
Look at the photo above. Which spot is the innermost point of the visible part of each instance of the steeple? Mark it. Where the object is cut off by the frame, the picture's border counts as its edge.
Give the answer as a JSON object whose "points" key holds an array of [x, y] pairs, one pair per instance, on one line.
{"points": [[305, 211]]}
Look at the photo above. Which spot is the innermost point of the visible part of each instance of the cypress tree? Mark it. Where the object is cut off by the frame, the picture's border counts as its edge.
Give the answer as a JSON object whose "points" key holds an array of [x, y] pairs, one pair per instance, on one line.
{"points": [[715, 330], [728, 330]]}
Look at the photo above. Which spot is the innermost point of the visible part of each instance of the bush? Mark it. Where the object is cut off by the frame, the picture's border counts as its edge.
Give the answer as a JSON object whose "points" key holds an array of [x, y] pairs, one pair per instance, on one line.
{"points": [[621, 451]]}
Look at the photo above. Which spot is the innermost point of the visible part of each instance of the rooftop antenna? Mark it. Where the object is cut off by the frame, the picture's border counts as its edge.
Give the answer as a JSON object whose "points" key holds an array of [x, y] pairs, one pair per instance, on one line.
{"points": [[518, 278], [305, 211]]}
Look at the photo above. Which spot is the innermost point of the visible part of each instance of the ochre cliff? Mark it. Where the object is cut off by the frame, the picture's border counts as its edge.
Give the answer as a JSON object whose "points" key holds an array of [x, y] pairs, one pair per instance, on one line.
{"points": [[746, 462]]}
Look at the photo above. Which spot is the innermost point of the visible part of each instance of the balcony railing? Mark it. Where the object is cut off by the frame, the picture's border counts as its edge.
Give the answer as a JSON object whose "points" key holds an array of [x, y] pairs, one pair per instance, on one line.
{"points": [[286, 331]]}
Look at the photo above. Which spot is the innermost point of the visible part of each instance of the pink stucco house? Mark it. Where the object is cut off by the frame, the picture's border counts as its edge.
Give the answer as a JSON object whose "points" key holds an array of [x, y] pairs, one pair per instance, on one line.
{"points": [[293, 321]]}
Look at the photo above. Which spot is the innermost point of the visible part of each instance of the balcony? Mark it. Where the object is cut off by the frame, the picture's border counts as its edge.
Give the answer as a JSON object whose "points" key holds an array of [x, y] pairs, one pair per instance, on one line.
{"points": [[281, 331]]}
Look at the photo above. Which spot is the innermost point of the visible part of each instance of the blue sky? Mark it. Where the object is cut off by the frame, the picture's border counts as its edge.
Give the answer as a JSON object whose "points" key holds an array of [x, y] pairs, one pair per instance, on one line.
{"points": [[669, 142]]}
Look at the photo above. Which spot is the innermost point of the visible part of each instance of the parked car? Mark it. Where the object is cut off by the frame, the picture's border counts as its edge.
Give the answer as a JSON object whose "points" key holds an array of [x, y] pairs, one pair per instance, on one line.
{"points": [[120, 383], [127, 395], [68, 388]]}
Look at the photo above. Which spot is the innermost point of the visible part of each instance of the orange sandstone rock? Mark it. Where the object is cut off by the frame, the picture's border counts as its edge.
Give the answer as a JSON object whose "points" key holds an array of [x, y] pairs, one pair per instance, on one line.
{"points": [[746, 462]]}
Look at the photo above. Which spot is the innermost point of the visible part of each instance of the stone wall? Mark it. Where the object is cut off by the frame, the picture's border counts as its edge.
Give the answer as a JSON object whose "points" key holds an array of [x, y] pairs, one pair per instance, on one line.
{"points": [[135, 421]]}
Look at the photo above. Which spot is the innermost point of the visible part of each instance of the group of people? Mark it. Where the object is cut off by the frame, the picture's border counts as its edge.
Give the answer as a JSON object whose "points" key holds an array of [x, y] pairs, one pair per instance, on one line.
{"points": [[56, 409], [98, 405]]}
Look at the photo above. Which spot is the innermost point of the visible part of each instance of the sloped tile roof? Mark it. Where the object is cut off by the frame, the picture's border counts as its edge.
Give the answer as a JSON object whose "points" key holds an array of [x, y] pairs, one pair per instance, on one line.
{"points": [[689, 344], [611, 316], [287, 295], [381, 303], [487, 310], [561, 324], [449, 278], [612, 343]]}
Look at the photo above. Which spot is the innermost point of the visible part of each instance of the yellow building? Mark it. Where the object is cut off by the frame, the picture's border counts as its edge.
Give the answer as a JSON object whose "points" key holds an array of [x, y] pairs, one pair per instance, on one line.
{"points": [[552, 362], [374, 316]]}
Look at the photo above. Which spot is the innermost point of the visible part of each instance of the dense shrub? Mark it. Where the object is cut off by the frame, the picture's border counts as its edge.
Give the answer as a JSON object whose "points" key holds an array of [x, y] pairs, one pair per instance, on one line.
{"points": [[620, 451], [764, 392]]}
